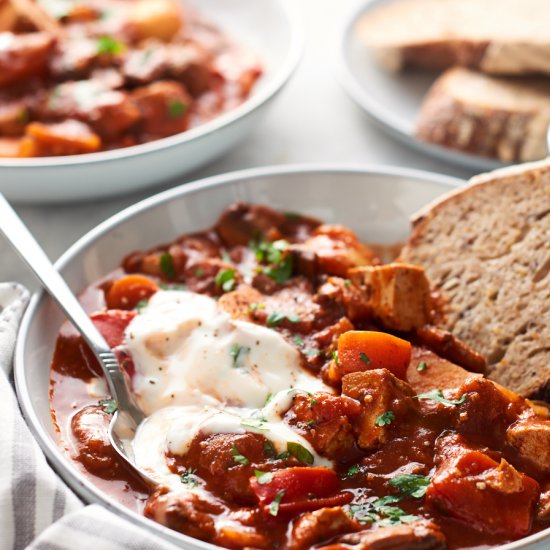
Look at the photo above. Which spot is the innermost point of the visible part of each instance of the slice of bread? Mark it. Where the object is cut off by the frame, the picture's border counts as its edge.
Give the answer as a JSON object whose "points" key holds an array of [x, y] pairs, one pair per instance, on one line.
{"points": [[486, 249], [503, 118], [494, 36]]}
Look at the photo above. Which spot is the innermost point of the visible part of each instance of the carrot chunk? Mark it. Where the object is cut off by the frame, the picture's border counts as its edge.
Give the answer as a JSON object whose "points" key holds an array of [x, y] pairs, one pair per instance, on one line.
{"points": [[128, 291], [360, 350]]}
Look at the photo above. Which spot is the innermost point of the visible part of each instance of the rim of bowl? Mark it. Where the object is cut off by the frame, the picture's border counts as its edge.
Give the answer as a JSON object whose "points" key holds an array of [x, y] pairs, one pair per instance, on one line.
{"points": [[251, 104], [84, 488]]}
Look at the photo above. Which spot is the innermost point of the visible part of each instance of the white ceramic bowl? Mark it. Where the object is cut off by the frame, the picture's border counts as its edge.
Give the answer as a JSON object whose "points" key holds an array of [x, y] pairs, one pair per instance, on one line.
{"points": [[391, 100], [269, 27], [375, 202]]}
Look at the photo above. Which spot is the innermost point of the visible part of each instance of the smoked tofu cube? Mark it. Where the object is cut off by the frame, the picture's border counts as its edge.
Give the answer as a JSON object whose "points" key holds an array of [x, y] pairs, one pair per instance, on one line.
{"points": [[384, 400], [531, 438], [399, 294]]}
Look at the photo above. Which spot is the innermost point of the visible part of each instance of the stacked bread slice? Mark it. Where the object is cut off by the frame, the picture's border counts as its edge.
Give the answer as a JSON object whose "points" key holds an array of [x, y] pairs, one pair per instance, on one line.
{"points": [[498, 117], [471, 110]]}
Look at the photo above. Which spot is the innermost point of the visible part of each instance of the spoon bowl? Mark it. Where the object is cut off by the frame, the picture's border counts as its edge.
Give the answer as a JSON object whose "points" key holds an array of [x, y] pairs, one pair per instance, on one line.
{"points": [[127, 416]]}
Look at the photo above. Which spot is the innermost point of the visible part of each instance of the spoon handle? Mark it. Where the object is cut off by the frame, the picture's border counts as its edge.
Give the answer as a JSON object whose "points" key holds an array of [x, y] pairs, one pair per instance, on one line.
{"points": [[32, 254]]}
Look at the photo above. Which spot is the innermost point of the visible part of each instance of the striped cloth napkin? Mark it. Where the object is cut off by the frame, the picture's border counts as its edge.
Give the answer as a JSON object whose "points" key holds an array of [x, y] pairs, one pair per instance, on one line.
{"points": [[37, 510]]}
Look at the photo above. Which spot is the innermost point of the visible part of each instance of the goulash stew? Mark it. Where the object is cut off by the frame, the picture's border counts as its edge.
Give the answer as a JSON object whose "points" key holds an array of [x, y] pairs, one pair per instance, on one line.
{"points": [[81, 77], [298, 395]]}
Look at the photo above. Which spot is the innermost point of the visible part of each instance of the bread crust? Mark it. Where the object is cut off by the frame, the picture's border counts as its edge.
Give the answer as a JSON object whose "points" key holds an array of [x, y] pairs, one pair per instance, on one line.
{"points": [[480, 125], [486, 249]]}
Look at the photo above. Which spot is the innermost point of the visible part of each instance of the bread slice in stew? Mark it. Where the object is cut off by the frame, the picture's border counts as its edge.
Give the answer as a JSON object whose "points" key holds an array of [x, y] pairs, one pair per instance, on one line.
{"points": [[502, 118], [486, 249], [494, 36]]}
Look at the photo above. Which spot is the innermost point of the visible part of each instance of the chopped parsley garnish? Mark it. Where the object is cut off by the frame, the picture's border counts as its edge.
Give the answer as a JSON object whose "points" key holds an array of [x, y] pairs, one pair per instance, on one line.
{"points": [[167, 265], [199, 272], [421, 366], [225, 279], [298, 340], [363, 513], [437, 396], [263, 478], [388, 499], [277, 256], [334, 354], [269, 252], [385, 419], [300, 452], [382, 510], [313, 352], [255, 421], [108, 44], [238, 354], [365, 358], [110, 406], [281, 272], [176, 108], [165, 286], [382, 514], [189, 478], [347, 283], [352, 471], [411, 485], [268, 399], [269, 450], [292, 216], [394, 515], [283, 456], [238, 457], [275, 319], [274, 506], [254, 307], [141, 305]]}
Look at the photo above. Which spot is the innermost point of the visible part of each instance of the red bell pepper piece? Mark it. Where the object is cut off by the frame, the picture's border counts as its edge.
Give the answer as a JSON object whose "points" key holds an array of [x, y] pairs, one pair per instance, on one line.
{"points": [[304, 489], [492, 498]]}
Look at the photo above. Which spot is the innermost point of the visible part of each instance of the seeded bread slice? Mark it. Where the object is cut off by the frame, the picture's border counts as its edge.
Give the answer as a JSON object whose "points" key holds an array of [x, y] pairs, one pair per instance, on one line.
{"points": [[486, 249], [503, 118], [494, 36]]}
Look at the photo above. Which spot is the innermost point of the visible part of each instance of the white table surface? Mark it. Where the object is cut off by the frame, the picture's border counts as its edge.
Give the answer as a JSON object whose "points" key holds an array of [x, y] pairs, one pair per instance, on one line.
{"points": [[311, 121]]}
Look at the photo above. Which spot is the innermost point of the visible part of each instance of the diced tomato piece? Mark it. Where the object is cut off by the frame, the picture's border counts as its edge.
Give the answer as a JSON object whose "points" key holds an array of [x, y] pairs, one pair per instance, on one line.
{"points": [[112, 324], [128, 291], [360, 350], [304, 489], [492, 498]]}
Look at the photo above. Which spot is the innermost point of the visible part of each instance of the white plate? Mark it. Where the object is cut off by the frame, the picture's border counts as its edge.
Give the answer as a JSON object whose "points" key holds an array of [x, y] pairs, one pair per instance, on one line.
{"points": [[268, 27], [375, 202], [392, 100]]}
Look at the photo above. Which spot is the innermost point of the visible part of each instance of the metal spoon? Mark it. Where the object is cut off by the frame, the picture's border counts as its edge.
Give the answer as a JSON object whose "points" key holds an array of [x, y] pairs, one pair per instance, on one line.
{"points": [[128, 415]]}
